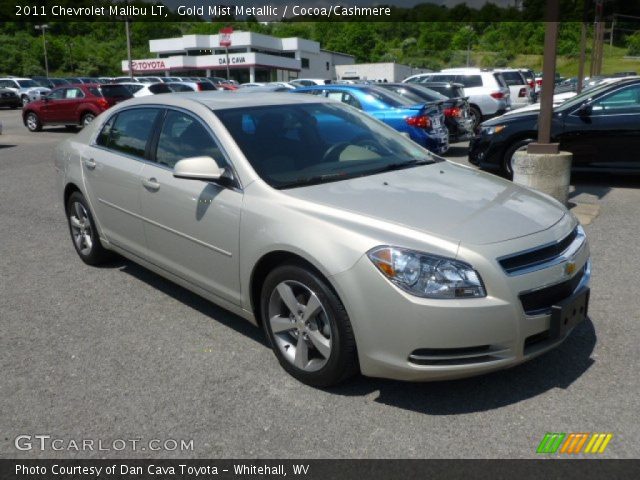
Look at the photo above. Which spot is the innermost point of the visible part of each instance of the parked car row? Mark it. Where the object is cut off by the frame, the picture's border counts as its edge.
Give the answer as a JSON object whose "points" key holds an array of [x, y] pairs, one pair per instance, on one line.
{"points": [[489, 94]]}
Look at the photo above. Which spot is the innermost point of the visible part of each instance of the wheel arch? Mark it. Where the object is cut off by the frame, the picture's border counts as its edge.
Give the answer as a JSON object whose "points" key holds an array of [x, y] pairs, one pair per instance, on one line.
{"points": [[69, 189], [266, 264]]}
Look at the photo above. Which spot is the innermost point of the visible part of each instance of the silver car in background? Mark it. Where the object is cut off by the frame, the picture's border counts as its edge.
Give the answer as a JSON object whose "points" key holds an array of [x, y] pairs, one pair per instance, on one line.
{"points": [[355, 249], [27, 89]]}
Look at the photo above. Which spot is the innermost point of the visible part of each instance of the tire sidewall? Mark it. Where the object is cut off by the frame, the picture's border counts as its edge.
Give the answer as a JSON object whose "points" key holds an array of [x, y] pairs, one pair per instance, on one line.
{"points": [[509, 152], [84, 118], [477, 116], [38, 124], [97, 253], [334, 370]]}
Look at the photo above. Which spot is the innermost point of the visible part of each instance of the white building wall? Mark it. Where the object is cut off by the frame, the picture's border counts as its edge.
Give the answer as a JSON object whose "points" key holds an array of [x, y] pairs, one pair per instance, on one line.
{"points": [[392, 72]]}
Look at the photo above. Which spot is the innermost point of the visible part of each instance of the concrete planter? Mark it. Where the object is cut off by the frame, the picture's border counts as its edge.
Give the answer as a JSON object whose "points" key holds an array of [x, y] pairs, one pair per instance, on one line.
{"points": [[547, 173]]}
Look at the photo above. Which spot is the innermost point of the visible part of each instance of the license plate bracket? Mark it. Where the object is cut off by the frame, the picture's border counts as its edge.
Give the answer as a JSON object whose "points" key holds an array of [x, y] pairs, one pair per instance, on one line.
{"points": [[569, 313]]}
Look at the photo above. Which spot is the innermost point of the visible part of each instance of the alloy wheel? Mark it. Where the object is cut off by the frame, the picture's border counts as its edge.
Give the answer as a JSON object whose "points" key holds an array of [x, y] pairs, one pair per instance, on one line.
{"points": [[32, 121], [81, 228], [300, 325]]}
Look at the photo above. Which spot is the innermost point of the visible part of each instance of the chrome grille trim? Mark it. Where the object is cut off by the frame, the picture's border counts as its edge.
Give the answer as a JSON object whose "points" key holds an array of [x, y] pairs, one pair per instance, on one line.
{"points": [[534, 265]]}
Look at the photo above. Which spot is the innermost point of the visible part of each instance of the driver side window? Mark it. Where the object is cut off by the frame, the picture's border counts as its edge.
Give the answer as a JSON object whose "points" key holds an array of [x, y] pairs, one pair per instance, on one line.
{"points": [[183, 136], [623, 101], [58, 94]]}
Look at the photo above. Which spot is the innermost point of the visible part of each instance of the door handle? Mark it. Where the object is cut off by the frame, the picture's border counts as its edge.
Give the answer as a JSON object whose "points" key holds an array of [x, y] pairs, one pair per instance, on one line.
{"points": [[151, 184], [90, 163]]}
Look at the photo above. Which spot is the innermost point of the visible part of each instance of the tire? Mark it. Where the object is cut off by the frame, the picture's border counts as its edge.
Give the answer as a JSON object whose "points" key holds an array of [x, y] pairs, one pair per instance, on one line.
{"points": [[25, 100], [476, 115], [33, 123], [507, 159], [84, 234], [87, 118], [319, 349]]}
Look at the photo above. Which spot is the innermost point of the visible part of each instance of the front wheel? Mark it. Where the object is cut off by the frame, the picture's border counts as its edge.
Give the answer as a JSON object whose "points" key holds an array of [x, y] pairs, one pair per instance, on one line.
{"points": [[509, 156], [33, 122], [83, 231], [308, 327]]}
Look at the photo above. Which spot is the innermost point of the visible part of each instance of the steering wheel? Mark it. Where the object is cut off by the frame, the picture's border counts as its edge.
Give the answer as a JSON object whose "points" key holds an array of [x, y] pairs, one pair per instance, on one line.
{"points": [[335, 150]]}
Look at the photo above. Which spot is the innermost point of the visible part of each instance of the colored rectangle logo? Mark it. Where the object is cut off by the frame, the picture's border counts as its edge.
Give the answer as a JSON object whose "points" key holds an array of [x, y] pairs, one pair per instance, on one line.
{"points": [[574, 443]]}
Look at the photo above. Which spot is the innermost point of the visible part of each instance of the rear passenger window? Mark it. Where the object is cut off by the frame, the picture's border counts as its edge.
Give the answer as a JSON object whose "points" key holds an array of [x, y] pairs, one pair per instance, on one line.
{"points": [[469, 81], [500, 79], [73, 93], [183, 136], [512, 78], [130, 131]]}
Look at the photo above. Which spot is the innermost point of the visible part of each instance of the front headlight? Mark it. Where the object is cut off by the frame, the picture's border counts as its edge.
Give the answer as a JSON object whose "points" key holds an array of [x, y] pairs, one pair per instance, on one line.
{"points": [[426, 275], [494, 130]]}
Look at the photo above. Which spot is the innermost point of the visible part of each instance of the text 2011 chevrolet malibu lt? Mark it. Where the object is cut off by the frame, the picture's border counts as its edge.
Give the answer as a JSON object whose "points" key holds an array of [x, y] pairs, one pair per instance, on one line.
{"points": [[354, 248]]}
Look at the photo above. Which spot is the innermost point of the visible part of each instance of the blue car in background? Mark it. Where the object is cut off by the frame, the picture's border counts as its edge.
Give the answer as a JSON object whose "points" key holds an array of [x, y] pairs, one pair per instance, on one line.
{"points": [[424, 122]]}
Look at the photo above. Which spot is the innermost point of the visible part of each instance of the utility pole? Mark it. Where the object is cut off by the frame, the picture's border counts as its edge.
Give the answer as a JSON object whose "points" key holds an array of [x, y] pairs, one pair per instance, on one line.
{"points": [[42, 28], [128, 34], [544, 145]]}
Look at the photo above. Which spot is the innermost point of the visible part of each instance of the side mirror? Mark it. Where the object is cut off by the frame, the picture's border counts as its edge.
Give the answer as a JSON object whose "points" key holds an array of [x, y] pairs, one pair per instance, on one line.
{"points": [[585, 110], [198, 168]]}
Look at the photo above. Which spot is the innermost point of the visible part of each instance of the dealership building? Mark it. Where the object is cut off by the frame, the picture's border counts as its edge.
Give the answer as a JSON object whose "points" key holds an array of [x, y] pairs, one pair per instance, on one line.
{"points": [[252, 57]]}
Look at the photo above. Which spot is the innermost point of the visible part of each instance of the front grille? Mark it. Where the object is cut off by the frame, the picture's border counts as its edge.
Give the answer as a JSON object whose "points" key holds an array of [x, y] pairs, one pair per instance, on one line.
{"points": [[541, 301], [525, 260]]}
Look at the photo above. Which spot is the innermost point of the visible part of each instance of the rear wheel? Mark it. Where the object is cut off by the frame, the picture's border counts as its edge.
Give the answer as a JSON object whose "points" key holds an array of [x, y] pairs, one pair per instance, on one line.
{"points": [[24, 100], [33, 122], [308, 326], [509, 156], [476, 116], [87, 118], [83, 231]]}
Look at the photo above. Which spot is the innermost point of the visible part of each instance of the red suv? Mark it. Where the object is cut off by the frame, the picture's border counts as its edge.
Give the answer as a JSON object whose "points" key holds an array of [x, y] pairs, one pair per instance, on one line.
{"points": [[72, 105]]}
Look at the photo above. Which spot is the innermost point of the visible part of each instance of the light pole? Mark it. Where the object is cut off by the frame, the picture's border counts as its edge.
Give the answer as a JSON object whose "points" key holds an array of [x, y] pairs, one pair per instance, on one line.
{"points": [[42, 28], [129, 60]]}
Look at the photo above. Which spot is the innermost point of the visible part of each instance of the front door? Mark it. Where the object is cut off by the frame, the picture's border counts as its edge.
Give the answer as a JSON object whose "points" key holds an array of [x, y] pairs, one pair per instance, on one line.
{"points": [[192, 227], [607, 135]]}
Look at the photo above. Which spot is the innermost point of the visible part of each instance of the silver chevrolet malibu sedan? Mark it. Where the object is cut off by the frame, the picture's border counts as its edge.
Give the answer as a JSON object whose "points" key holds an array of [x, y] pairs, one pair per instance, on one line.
{"points": [[352, 247]]}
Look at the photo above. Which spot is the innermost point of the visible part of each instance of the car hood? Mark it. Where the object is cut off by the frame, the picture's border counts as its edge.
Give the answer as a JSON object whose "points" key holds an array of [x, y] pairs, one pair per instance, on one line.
{"points": [[444, 200]]}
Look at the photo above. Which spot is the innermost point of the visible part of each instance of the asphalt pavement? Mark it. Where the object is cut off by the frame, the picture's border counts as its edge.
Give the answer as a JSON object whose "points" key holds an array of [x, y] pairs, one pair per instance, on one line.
{"points": [[119, 353]]}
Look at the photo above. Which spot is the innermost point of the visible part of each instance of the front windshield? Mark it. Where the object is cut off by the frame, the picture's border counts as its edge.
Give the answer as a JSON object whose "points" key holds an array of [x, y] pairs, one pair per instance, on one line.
{"points": [[27, 83], [305, 144]]}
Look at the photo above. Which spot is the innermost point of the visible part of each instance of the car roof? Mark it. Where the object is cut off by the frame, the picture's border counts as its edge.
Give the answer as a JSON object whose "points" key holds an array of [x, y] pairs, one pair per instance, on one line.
{"points": [[221, 100]]}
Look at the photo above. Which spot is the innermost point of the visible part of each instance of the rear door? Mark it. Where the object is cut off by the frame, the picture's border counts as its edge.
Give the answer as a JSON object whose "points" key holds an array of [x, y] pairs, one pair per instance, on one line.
{"points": [[69, 106], [192, 227], [112, 168]]}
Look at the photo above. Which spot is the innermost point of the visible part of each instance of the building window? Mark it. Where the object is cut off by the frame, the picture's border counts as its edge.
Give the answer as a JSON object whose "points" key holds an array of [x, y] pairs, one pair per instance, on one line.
{"points": [[305, 62], [328, 66]]}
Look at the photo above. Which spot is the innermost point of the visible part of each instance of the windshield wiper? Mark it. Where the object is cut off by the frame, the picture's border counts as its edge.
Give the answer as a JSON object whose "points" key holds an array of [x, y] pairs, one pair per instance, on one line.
{"points": [[408, 164], [306, 181]]}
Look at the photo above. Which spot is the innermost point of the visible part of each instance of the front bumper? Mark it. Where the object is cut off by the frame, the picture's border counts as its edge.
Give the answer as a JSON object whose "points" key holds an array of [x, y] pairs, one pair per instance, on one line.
{"points": [[486, 152], [404, 337]]}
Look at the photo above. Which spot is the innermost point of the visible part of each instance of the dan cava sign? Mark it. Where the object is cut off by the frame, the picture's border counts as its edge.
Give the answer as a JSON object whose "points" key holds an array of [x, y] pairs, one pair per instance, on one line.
{"points": [[225, 36]]}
